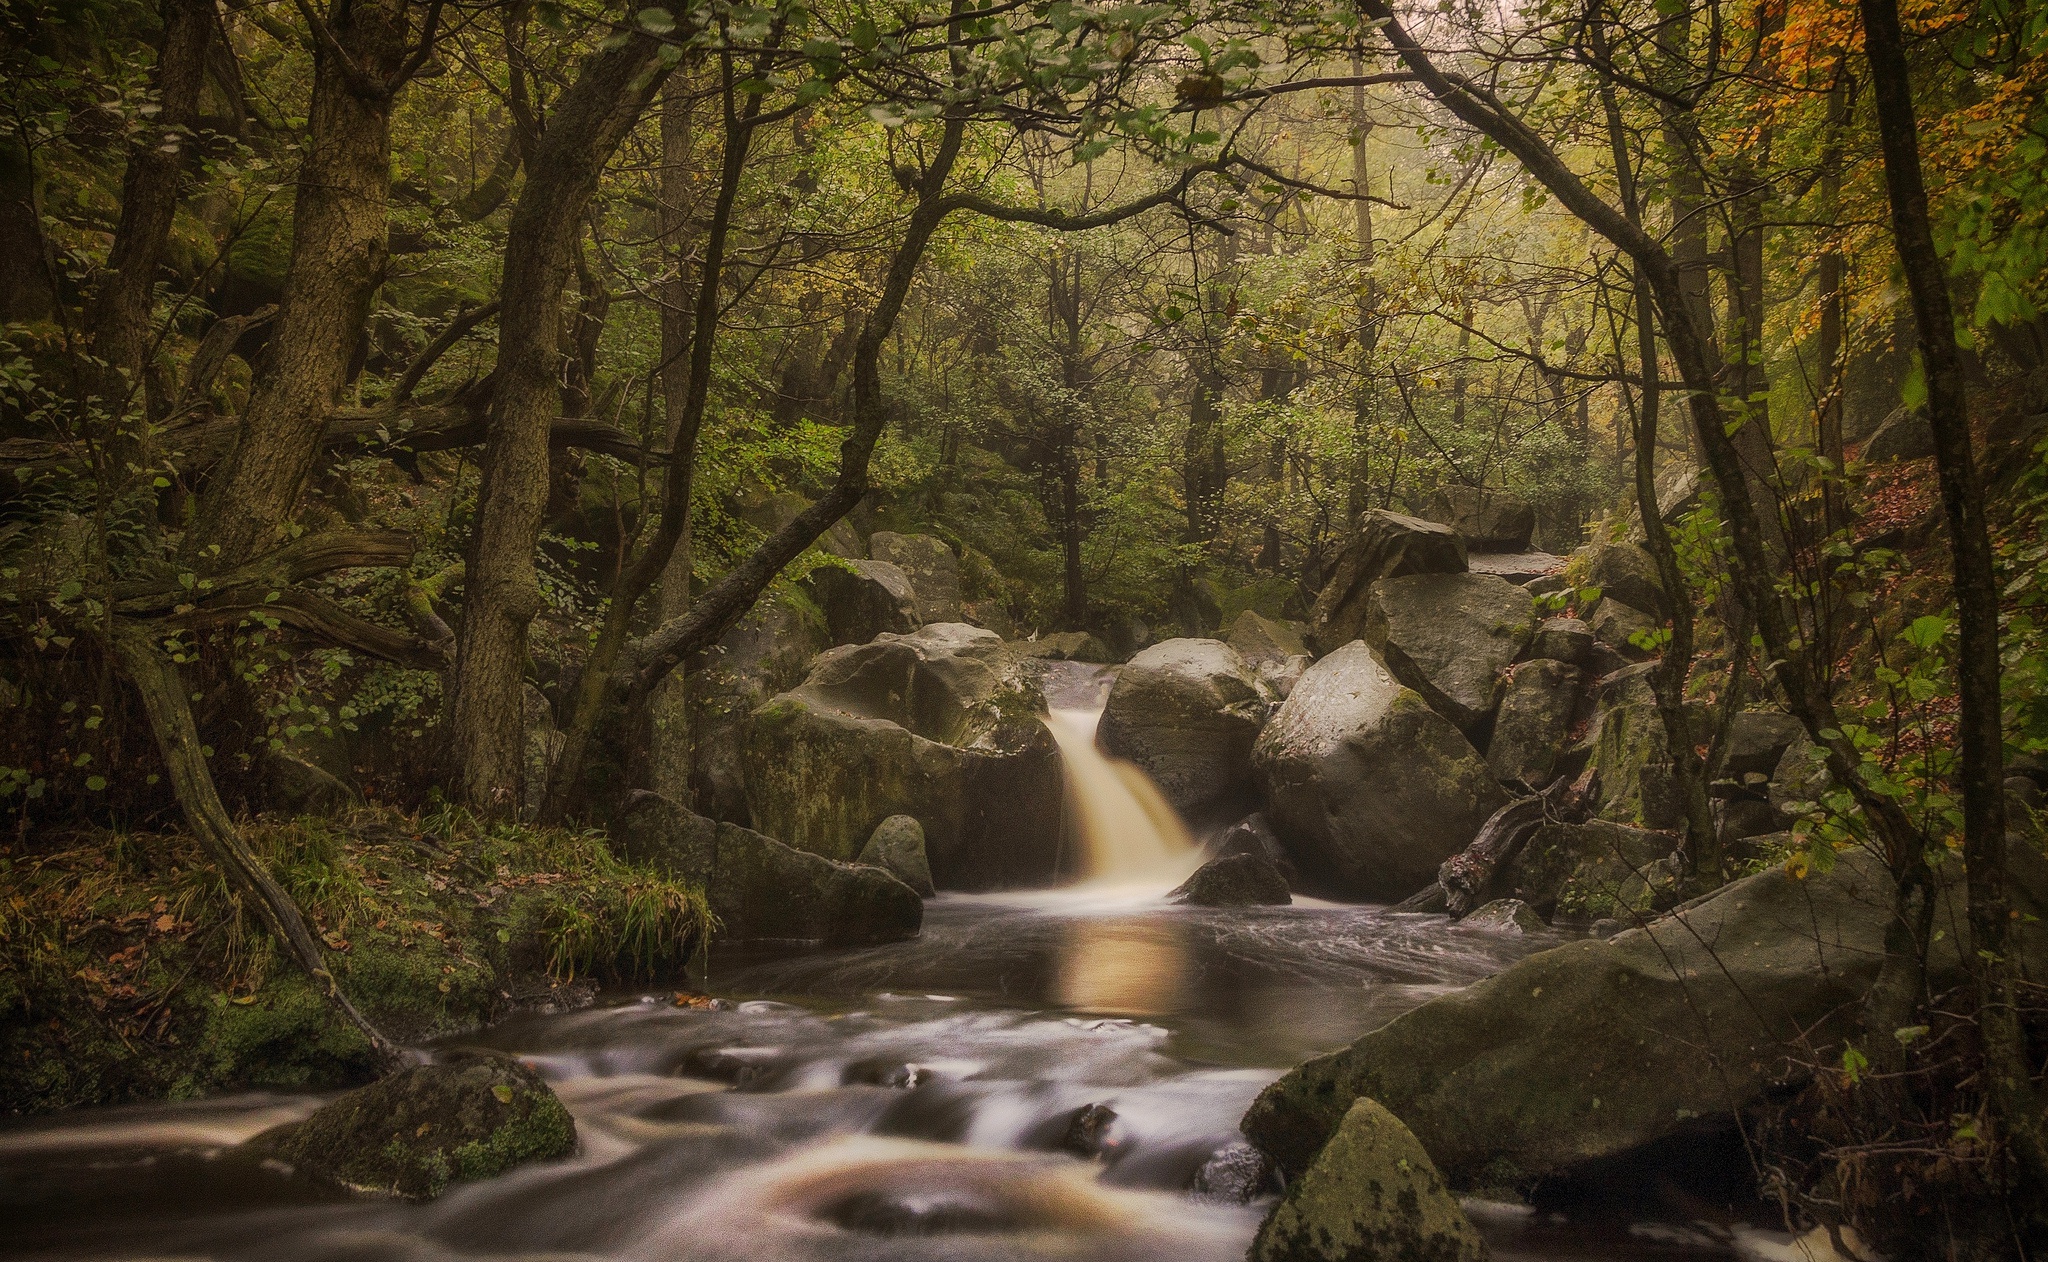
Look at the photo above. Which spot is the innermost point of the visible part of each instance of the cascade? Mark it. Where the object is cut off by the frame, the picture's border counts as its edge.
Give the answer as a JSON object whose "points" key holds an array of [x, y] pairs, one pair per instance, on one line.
{"points": [[1129, 834]]}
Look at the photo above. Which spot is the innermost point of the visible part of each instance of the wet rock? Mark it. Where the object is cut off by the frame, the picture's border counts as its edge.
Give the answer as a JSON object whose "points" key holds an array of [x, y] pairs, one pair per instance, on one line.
{"points": [[1186, 713], [411, 1135], [863, 599], [1253, 835], [897, 847], [1372, 1192], [1562, 640], [1234, 880], [1491, 521], [1236, 1174], [1088, 1131], [1625, 573], [1623, 628], [1259, 639], [1529, 734], [1757, 740], [931, 567], [1369, 788], [943, 726], [1506, 915], [1906, 434], [1386, 545], [762, 890], [1451, 637], [765, 652]]}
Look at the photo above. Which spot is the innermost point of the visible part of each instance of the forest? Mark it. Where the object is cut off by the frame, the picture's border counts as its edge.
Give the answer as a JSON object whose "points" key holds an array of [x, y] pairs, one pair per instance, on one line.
{"points": [[828, 629]]}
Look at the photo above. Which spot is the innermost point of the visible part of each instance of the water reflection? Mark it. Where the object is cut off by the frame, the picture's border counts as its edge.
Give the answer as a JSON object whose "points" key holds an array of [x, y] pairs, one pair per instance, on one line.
{"points": [[1136, 968]]}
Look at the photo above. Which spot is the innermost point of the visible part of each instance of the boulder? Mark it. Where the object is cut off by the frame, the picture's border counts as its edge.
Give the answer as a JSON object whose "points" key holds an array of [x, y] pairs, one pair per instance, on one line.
{"points": [[1451, 637], [1624, 572], [1235, 1174], [943, 726], [765, 652], [1562, 640], [1372, 1193], [1491, 521], [1259, 639], [1066, 646], [1738, 818], [1535, 716], [1386, 545], [1906, 434], [1632, 754], [1369, 788], [989, 615], [1799, 779], [1234, 880], [769, 511], [1506, 915], [411, 1135], [1280, 677], [863, 599], [1757, 741], [762, 890], [1581, 873], [1186, 713], [1597, 1048], [897, 847], [1519, 568], [1623, 628], [1252, 835], [933, 570]]}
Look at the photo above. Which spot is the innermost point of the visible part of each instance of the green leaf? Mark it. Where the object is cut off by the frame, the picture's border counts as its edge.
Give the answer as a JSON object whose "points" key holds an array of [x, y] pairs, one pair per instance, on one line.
{"points": [[1926, 631], [503, 1092]]}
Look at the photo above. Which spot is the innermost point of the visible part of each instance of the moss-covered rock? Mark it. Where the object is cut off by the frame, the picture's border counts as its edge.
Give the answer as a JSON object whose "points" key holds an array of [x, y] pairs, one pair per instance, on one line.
{"points": [[1186, 713], [1372, 1196], [863, 599], [931, 567], [1234, 880], [764, 653], [473, 1116], [897, 847], [1535, 715]]}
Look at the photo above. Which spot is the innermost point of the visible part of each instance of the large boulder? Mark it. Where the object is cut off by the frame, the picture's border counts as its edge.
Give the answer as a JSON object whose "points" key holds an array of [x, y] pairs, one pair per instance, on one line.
{"points": [[1757, 740], [1372, 1193], [1519, 568], [1906, 434], [762, 890], [1386, 545], [1597, 870], [1623, 628], [1234, 880], [897, 847], [1633, 755], [864, 599], [1369, 787], [411, 1135], [1258, 638], [933, 571], [1597, 1048], [769, 511], [764, 653], [1562, 640], [1623, 572], [1451, 637], [943, 726], [1491, 521], [1535, 716], [1186, 713]]}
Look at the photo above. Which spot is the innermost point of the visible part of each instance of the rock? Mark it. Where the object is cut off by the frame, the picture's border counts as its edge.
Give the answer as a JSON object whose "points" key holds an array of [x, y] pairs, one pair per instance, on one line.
{"points": [[943, 726], [1562, 640], [1258, 639], [1582, 873], [296, 787], [1186, 713], [1626, 573], [1451, 637], [1740, 818], [1371, 1193], [863, 599], [473, 1116], [1280, 677], [1519, 568], [1599, 1047], [762, 890], [931, 567], [1757, 741], [1678, 493], [1632, 754], [1535, 716], [1234, 880], [1087, 1132], [1386, 545], [1904, 435], [989, 615], [1623, 628], [897, 847], [1491, 521], [1067, 646], [1799, 779], [1235, 1174], [1506, 915], [1369, 788], [1547, 585], [544, 743], [765, 652], [769, 511], [1252, 835]]}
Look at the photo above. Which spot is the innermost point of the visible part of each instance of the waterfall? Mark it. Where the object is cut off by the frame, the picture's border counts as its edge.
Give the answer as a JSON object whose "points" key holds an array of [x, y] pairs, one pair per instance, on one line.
{"points": [[1129, 835]]}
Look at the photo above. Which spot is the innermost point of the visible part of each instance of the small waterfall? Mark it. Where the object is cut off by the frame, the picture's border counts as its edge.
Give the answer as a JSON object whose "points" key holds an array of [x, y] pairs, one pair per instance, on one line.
{"points": [[1129, 835]]}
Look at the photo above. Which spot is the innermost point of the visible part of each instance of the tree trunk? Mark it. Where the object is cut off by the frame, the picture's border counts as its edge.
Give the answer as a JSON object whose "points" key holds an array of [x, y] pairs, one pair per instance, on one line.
{"points": [[586, 125], [2008, 1069], [340, 241], [1364, 403]]}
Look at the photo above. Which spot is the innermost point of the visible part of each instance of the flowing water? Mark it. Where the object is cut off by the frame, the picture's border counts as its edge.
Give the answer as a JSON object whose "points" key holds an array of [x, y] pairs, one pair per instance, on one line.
{"points": [[1038, 1075]]}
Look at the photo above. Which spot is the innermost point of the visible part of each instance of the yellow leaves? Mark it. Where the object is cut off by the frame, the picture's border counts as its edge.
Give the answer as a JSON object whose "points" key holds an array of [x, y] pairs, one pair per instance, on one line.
{"points": [[1797, 867]]}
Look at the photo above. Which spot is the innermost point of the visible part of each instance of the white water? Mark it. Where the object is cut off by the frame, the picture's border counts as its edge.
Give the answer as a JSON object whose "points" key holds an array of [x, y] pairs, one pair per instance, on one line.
{"points": [[1131, 839]]}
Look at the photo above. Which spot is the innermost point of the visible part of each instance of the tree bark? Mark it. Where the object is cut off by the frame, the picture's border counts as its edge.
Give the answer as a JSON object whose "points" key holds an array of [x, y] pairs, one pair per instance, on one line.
{"points": [[587, 124], [340, 242], [2008, 1071]]}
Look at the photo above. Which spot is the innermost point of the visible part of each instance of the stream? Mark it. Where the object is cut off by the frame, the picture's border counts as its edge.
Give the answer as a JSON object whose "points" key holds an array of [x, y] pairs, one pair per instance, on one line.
{"points": [[929, 1099]]}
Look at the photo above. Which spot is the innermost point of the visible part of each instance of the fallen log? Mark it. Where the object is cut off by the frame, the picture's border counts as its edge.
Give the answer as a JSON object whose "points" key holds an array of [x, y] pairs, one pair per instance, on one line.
{"points": [[1466, 878]]}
